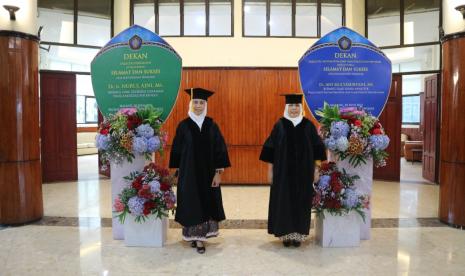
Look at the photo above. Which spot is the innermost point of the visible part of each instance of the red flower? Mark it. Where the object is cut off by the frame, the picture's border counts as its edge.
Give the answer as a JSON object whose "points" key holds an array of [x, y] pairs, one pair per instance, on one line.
{"points": [[376, 131], [104, 131], [148, 206], [164, 187], [137, 183], [358, 123], [145, 193], [333, 204], [346, 116], [133, 122]]}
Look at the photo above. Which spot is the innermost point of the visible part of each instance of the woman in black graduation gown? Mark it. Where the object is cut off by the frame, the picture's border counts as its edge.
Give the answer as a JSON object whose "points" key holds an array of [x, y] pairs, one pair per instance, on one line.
{"points": [[200, 154], [294, 149]]}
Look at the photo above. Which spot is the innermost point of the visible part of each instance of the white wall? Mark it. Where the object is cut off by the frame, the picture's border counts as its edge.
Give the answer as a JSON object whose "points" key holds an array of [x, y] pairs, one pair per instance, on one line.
{"points": [[452, 20], [241, 51], [26, 18]]}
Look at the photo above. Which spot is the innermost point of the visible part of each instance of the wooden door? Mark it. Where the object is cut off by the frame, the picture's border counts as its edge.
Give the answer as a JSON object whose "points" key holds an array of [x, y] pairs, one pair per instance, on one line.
{"points": [[391, 119], [58, 126], [431, 128]]}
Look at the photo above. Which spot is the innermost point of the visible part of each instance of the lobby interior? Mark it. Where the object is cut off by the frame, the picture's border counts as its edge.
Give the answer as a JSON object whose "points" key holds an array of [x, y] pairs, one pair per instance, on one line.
{"points": [[55, 217]]}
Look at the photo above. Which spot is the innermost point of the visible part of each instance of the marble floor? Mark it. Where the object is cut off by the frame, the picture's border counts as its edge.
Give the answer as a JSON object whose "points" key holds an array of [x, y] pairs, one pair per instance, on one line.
{"points": [[75, 238]]}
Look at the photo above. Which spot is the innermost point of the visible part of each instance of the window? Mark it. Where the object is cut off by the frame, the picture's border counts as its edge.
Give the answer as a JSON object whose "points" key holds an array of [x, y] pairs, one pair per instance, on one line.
{"points": [[411, 109], [184, 17], [86, 105], [292, 18], [403, 22], [87, 23], [66, 58], [414, 59], [94, 22]]}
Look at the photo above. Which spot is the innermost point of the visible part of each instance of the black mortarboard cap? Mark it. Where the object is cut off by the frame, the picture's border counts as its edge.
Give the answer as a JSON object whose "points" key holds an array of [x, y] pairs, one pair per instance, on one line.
{"points": [[198, 93], [293, 98]]}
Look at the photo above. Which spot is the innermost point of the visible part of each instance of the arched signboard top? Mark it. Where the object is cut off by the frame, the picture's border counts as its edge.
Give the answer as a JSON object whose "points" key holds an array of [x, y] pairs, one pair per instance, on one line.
{"points": [[136, 68], [346, 69]]}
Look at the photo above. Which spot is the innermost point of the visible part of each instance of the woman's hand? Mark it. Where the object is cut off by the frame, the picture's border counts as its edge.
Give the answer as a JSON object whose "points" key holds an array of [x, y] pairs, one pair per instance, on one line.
{"points": [[217, 179], [316, 175], [270, 173]]}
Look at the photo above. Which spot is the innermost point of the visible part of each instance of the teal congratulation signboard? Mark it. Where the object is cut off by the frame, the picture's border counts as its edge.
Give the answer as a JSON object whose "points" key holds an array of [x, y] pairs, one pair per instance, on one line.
{"points": [[137, 68]]}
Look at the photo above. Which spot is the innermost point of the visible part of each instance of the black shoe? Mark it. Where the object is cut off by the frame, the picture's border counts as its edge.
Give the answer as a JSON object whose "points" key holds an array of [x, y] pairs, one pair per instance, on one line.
{"points": [[200, 249], [287, 243], [296, 243], [193, 244]]}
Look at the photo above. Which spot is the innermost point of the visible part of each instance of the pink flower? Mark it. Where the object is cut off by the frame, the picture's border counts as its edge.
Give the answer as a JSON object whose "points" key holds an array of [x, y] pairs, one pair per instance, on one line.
{"points": [[128, 111], [119, 206]]}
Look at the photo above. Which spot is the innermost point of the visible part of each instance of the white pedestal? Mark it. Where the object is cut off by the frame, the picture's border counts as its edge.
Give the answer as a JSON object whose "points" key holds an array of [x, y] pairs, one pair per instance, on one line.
{"points": [[151, 233], [118, 171], [364, 186], [338, 231]]}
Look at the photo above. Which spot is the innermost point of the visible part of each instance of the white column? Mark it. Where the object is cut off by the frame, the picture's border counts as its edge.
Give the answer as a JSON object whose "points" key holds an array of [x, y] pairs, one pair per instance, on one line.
{"points": [[355, 15], [26, 16], [452, 20], [121, 18]]}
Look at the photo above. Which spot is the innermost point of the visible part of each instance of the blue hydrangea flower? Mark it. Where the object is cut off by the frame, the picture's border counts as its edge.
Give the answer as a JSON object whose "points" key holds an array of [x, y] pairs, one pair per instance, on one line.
{"points": [[379, 142], [145, 130], [351, 198], [342, 143], [136, 205], [102, 141], [139, 145], [386, 141], [154, 186], [339, 129], [153, 144], [330, 143], [323, 183]]}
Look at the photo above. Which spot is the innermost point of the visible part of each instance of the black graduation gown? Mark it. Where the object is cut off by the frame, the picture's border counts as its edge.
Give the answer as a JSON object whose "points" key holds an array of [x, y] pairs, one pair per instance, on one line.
{"points": [[292, 151], [198, 153]]}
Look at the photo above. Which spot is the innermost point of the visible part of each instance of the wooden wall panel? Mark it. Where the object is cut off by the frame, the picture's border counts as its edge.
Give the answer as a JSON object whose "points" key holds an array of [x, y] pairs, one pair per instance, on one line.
{"points": [[20, 181], [452, 132], [246, 105], [391, 119]]}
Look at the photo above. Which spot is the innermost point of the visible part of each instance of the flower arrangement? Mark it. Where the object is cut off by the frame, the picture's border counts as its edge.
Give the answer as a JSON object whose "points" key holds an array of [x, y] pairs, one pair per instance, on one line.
{"points": [[354, 134], [130, 132], [335, 193], [149, 192]]}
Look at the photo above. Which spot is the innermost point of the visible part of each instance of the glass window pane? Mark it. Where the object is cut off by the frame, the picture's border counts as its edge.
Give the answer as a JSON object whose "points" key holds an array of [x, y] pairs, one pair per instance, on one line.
{"points": [[144, 14], [84, 85], [331, 15], [91, 110], [194, 17], [56, 16], [421, 21], [413, 84], [94, 22], [410, 109], [169, 17], [306, 18], [80, 109], [220, 17], [411, 59], [280, 18], [66, 58], [255, 18], [384, 22]]}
